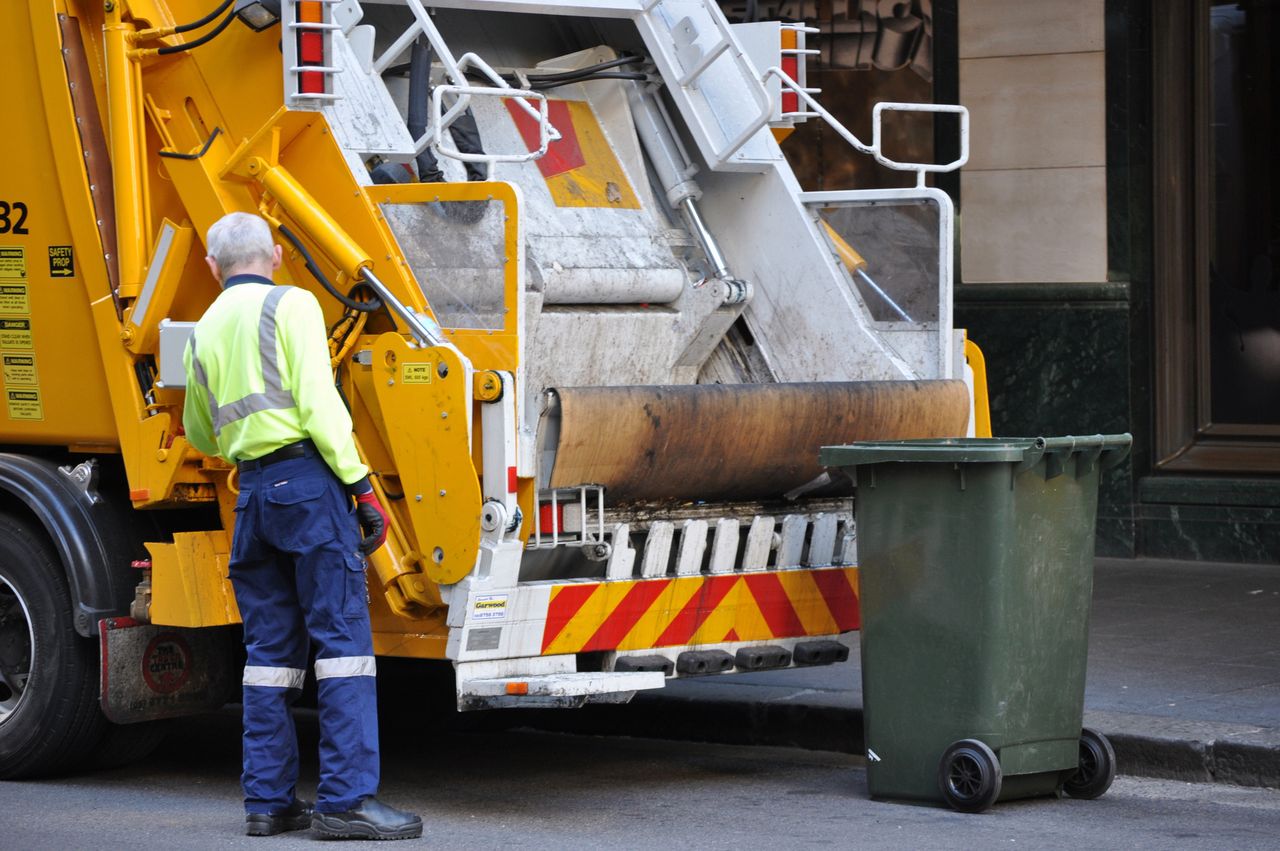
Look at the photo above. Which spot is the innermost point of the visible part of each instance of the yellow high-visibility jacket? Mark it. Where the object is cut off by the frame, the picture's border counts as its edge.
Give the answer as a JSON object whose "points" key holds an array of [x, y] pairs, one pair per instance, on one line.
{"points": [[258, 378]]}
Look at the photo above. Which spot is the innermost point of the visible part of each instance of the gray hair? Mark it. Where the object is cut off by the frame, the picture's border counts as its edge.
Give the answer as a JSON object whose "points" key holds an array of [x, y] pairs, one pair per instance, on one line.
{"points": [[238, 240]]}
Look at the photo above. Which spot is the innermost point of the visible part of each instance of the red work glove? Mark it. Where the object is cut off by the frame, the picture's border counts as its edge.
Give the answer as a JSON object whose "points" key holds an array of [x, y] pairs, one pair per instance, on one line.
{"points": [[369, 513]]}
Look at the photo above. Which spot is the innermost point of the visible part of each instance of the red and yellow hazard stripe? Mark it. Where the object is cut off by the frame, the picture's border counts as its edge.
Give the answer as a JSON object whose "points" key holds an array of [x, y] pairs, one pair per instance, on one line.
{"points": [[645, 613], [580, 168]]}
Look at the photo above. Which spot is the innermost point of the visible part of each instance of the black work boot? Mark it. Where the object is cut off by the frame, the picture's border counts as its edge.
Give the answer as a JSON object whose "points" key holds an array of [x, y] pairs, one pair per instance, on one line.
{"points": [[297, 816], [371, 819]]}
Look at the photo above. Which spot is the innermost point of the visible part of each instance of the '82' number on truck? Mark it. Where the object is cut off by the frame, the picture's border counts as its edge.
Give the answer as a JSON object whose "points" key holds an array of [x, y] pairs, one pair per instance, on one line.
{"points": [[13, 217]]}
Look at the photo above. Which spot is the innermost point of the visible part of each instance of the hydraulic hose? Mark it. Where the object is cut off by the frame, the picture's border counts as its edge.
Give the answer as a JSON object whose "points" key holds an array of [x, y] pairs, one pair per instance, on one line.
{"points": [[204, 39], [207, 19], [370, 306], [539, 86]]}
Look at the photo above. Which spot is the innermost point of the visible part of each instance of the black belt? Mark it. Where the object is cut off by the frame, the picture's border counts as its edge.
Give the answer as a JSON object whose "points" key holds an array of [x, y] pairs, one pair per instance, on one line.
{"points": [[284, 453]]}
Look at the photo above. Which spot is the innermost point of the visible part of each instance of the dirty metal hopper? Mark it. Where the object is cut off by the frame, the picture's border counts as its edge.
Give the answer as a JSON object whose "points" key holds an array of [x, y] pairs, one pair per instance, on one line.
{"points": [[714, 442]]}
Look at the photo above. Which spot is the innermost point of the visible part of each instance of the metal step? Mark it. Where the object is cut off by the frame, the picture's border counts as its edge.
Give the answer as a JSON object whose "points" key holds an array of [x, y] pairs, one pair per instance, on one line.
{"points": [[559, 690]]}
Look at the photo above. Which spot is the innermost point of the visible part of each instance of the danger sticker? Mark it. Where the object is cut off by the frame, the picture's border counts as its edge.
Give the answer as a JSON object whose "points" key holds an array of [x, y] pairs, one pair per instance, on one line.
{"points": [[62, 263], [166, 664], [25, 404], [489, 607], [13, 298], [19, 369], [15, 333], [417, 373], [13, 263]]}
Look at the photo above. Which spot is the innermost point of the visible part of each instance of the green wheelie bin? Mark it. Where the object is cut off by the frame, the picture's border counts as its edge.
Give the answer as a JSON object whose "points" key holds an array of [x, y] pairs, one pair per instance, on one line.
{"points": [[975, 562]]}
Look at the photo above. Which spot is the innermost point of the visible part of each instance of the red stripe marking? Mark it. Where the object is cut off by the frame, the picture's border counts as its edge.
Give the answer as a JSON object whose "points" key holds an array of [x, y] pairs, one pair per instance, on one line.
{"points": [[511, 480], [731, 635], [630, 609], [310, 49], [563, 607], [775, 605], [790, 100], [696, 611], [562, 155], [839, 597]]}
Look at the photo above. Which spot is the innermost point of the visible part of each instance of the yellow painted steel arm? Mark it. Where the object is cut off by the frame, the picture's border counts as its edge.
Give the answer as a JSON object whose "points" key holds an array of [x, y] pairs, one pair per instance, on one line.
{"points": [[852, 260], [127, 141], [311, 217], [981, 404]]}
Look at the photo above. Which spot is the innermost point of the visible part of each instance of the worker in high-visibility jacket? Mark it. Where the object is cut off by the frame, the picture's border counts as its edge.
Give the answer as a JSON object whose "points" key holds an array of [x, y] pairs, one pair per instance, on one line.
{"points": [[260, 394]]}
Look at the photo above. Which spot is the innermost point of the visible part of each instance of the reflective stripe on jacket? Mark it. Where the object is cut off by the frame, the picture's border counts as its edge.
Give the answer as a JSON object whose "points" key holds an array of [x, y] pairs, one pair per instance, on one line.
{"points": [[258, 378]]}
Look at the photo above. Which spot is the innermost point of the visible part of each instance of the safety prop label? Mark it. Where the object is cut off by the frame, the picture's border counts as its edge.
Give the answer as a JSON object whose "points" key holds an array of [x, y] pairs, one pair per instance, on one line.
{"points": [[62, 263], [19, 369], [13, 298], [15, 333], [489, 607], [25, 404], [13, 263]]}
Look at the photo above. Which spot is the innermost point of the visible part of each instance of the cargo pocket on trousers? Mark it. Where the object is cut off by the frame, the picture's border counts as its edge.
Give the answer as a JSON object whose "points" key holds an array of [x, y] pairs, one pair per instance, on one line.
{"points": [[240, 542], [297, 514], [356, 605]]}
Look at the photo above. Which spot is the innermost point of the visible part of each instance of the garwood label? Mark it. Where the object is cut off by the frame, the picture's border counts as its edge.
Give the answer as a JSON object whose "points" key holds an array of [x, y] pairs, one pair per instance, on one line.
{"points": [[489, 607]]}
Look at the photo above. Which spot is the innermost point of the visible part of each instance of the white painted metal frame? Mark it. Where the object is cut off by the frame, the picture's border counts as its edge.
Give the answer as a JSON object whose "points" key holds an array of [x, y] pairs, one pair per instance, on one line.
{"points": [[946, 252], [290, 26], [680, 80]]}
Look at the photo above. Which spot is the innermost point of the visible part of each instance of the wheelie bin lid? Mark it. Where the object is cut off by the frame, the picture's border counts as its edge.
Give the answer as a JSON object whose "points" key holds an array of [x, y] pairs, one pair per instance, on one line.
{"points": [[1110, 449]]}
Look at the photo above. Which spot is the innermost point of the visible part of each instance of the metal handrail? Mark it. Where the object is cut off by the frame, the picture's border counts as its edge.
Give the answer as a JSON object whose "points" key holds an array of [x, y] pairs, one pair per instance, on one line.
{"points": [[455, 71], [874, 149]]}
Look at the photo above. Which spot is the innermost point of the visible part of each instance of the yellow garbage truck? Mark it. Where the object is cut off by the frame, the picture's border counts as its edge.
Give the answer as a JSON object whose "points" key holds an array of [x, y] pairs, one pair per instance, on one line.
{"points": [[591, 331]]}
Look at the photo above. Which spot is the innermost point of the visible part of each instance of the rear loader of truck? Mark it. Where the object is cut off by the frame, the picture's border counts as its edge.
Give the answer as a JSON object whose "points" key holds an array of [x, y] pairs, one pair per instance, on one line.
{"points": [[590, 368]]}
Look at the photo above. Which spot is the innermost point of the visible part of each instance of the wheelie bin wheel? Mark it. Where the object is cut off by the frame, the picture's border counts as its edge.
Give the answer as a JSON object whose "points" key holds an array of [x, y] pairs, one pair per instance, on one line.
{"points": [[1097, 767], [969, 776]]}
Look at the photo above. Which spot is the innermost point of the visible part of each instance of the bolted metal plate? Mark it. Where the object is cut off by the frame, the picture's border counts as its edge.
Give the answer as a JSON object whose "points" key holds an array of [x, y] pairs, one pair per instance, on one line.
{"points": [[153, 672]]}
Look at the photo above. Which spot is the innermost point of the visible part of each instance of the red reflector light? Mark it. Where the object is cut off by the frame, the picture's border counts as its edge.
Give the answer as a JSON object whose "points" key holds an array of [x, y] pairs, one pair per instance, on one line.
{"points": [[551, 518], [310, 48], [790, 100], [511, 480]]}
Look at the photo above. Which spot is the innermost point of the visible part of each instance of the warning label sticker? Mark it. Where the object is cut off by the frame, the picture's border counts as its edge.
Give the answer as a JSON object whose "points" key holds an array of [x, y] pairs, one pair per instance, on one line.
{"points": [[19, 369], [13, 298], [489, 607], [15, 333], [25, 404], [417, 373], [62, 263], [13, 263]]}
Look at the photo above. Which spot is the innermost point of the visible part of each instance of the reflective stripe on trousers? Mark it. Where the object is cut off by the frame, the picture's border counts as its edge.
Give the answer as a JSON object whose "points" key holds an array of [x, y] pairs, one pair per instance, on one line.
{"points": [[269, 677], [273, 396], [346, 666]]}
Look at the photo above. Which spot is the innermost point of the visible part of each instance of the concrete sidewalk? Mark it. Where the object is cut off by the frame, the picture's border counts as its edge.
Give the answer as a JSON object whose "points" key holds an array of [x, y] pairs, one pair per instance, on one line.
{"points": [[1184, 678]]}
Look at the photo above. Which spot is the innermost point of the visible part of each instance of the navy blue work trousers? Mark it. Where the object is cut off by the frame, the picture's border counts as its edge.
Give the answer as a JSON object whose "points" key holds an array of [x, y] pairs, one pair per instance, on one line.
{"points": [[299, 582]]}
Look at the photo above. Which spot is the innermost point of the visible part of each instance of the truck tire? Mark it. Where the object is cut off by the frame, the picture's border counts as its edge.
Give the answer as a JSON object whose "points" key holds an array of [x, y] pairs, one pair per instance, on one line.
{"points": [[50, 719]]}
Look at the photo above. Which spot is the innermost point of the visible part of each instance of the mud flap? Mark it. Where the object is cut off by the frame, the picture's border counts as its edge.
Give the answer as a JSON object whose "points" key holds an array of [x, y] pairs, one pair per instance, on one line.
{"points": [[153, 672]]}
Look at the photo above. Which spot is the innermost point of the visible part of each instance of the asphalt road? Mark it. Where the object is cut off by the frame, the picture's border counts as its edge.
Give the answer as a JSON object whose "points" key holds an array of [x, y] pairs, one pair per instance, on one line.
{"points": [[539, 790]]}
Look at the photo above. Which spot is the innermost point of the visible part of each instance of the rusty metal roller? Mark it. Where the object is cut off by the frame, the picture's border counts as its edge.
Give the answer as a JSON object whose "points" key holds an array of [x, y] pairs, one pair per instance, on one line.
{"points": [[717, 442]]}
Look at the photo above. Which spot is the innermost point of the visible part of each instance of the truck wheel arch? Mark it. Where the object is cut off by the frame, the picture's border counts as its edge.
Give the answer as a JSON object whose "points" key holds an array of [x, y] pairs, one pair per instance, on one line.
{"points": [[88, 531]]}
